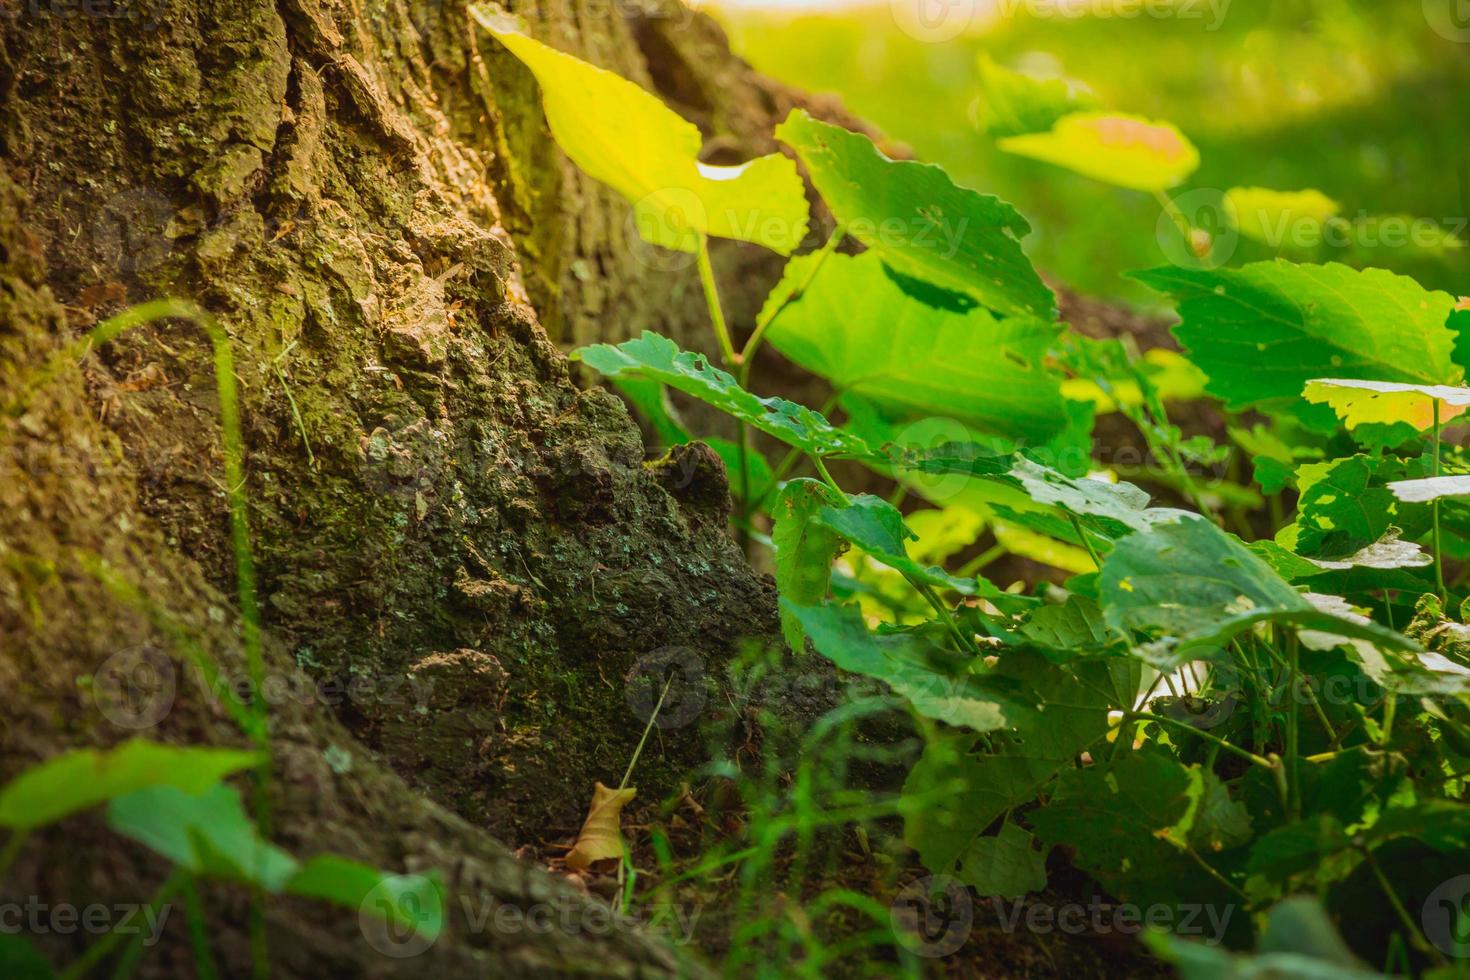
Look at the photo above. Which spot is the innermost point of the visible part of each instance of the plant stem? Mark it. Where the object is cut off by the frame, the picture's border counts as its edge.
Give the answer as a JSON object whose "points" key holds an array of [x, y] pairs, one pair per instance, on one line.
{"points": [[1434, 509], [12, 850], [1414, 936], [98, 951], [716, 311], [1206, 736], [773, 309], [1086, 543], [1210, 870], [204, 968], [646, 729], [1293, 729]]}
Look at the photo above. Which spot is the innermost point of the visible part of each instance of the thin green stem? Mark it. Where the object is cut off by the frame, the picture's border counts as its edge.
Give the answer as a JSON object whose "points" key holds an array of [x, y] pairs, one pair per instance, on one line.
{"points": [[99, 950], [1410, 929], [1293, 730], [827, 478], [1210, 870], [1086, 542], [12, 850], [1434, 509], [773, 309], [716, 311], [1206, 736], [204, 968], [646, 730], [978, 564]]}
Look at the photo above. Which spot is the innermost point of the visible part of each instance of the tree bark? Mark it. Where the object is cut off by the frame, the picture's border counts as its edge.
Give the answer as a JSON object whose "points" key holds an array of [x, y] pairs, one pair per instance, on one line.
{"points": [[462, 556]]}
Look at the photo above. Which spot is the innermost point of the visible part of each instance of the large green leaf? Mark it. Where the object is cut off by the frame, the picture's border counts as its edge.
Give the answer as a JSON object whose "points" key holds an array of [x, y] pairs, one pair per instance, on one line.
{"points": [[1191, 581], [660, 359], [626, 138], [920, 221], [1116, 816], [932, 679], [956, 789], [804, 550], [208, 833], [1005, 865], [408, 901], [1263, 331], [84, 778], [1128, 151], [857, 327], [1012, 103], [876, 526], [1345, 509]]}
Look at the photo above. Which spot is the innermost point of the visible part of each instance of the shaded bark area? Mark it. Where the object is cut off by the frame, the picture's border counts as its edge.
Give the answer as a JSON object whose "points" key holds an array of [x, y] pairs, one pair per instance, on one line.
{"points": [[463, 556]]}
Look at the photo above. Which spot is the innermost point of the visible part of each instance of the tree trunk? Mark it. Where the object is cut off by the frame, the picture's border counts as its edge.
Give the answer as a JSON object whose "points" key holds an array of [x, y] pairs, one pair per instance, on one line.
{"points": [[462, 557]]}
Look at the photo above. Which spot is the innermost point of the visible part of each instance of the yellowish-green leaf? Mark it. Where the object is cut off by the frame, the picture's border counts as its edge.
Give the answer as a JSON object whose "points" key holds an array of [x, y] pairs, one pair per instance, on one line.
{"points": [[626, 138], [1128, 151], [1044, 550], [1359, 402], [1275, 217]]}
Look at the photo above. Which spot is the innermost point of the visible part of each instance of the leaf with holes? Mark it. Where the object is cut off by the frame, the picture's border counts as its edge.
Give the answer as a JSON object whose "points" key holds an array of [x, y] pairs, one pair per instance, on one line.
{"points": [[857, 327], [659, 359], [919, 220]]}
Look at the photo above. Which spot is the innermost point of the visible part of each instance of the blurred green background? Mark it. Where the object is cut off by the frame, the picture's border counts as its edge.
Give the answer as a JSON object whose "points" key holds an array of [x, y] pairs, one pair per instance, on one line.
{"points": [[1364, 101]]}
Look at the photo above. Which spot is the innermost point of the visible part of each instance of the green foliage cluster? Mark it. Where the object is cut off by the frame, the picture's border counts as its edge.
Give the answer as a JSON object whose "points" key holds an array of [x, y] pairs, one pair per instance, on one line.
{"points": [[1200, 713]]}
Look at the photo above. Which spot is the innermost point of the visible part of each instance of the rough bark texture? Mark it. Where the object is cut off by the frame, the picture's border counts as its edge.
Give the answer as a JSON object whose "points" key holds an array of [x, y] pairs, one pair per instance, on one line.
{"points": [[462, 553], [448, 529]]}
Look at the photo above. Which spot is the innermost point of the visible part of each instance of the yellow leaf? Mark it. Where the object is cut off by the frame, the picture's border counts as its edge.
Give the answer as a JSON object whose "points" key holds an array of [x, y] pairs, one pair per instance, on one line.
{"points": [[1128, 151], [601, 835], [1279, 217], [1042, 549], [623, 136], [1363, 402]]}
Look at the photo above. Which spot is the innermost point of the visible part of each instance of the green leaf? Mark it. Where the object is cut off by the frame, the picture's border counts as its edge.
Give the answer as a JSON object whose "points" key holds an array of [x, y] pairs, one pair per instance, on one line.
{"points": [[626, 138], [921, 222], [1128, 151], [209, 834], [1387, 402], [658, 358], [875, 526], [408, 901], [1279, 218], [804, 550], [1072, 629], [1117, 816], [1012, 103], [1344, 510], [929, 676], [1263, 331], [862, 331], [84, 778], [1300, 942], [1005, 865], [1219, 823], [956, 790], [1192, 581]]}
